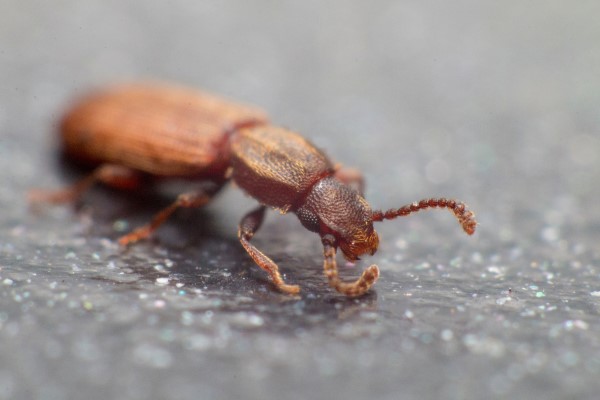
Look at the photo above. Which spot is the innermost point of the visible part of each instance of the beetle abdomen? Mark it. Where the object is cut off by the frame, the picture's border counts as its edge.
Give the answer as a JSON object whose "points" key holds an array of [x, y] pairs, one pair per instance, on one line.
{"points": [[161, 130], [276, 166]]}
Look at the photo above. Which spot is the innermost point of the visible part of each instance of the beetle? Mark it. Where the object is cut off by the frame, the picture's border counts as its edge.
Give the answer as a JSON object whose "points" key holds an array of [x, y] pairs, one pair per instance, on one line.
{"points": [[134, 134]]}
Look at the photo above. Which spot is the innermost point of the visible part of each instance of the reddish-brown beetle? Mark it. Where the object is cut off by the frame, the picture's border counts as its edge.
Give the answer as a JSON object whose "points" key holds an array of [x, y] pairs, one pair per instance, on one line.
{"points": [[137, 133]]}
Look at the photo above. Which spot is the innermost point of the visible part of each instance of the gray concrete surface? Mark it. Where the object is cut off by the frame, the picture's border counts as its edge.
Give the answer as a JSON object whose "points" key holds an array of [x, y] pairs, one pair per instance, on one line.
{"points": [[496, 103]]}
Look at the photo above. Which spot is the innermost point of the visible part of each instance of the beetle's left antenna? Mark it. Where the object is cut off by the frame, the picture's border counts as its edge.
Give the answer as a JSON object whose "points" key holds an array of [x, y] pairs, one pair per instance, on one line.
{"points": [[465, 217]]}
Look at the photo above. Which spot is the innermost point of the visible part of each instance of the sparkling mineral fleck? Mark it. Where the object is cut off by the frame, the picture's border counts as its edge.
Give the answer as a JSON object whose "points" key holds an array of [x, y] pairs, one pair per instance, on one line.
{"points": [[162, 281]]}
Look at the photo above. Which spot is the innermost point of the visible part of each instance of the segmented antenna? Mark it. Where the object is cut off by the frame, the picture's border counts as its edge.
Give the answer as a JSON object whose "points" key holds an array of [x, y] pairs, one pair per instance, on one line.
{"points": [[465, 217]]}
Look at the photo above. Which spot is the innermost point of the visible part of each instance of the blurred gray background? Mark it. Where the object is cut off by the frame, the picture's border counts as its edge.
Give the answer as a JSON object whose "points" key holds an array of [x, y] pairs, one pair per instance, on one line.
{"points": [[495, 103]]}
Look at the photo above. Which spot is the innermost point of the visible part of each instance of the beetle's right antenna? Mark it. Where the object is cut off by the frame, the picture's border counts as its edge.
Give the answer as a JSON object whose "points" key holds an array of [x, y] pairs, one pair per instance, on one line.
{"points": [[465, 217]]}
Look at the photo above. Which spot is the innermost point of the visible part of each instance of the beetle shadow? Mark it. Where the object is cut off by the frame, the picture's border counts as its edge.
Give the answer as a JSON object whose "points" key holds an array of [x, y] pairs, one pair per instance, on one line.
{"points": [[218, 276], [219, 269], [241, 287]]}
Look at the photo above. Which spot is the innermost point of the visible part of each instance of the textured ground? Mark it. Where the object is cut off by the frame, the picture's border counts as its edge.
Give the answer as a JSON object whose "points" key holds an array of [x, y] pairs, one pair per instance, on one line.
{"points": [[495, 103]]}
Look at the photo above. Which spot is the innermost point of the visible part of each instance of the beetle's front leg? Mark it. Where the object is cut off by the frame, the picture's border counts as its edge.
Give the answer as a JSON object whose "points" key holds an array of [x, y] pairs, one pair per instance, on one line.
{"points": [[350, 289], [248, 227]]}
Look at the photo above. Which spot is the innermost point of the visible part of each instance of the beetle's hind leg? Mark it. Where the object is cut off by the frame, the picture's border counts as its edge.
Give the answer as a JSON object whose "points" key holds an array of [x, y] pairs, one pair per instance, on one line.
{"points": [[111, 175], [350, 289], [248, 227]]}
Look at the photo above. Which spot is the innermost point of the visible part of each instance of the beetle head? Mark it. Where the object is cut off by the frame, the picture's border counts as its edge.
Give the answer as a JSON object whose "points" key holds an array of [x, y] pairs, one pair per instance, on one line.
{"points": [[334, 208], [361, 242]]}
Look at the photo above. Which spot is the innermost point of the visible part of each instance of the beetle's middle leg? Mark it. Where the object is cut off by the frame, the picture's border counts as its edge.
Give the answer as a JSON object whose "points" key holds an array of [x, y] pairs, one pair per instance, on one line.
{"points": [[193, 199], [351, 177], [248, 227]]}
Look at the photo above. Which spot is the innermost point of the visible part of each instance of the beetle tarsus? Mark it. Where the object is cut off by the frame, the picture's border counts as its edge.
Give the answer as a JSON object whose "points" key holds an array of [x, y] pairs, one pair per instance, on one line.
{"points": [[248, 227], [350, 289]]}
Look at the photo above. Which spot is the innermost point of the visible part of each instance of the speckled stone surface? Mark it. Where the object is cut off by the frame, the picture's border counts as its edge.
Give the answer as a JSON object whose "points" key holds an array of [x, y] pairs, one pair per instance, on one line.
{"points": [[495, 103]]}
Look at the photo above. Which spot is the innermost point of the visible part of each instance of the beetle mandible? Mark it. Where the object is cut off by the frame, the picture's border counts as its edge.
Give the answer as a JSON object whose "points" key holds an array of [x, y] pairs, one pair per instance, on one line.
{"points": [[138, 133]]}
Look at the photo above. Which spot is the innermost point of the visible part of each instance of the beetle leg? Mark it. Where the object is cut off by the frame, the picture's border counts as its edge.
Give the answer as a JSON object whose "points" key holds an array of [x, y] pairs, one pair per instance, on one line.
{"points": [[350, 289], [351, 177], [111, 175], [185, 200], [248, 227]]}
